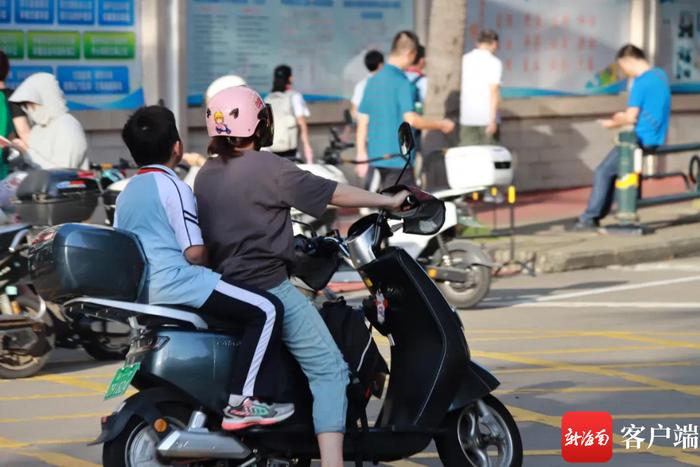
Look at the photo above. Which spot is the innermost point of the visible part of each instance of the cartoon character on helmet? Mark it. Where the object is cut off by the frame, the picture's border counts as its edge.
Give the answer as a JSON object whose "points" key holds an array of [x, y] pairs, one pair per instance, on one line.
{"points": [[240, 112]]}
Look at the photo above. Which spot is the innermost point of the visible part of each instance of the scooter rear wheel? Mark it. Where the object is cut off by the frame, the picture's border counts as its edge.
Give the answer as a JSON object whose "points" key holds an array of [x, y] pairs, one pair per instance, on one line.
{"points": [[136, 444], [480, 435], [459, 295]]}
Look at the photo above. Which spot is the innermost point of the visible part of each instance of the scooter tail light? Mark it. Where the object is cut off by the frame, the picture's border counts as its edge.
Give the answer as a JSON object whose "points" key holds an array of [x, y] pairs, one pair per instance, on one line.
{"points": [[149, 343]]}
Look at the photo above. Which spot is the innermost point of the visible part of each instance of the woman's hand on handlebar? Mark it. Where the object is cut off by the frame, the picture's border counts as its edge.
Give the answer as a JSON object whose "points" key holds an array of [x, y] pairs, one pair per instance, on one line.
{"points": [[399, 201]]}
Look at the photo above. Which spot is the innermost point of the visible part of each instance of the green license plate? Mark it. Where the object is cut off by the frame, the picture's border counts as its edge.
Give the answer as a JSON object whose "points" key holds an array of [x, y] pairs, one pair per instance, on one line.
{"points": [[122, 380]]}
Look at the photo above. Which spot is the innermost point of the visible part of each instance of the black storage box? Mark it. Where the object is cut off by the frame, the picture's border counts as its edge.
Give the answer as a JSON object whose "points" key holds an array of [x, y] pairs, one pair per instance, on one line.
{"points": [[57, 196], [73, 260]]}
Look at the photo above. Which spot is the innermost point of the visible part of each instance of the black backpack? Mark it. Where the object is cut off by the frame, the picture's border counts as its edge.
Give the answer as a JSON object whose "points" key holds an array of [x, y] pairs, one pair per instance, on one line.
{"points": [[368, 369]]}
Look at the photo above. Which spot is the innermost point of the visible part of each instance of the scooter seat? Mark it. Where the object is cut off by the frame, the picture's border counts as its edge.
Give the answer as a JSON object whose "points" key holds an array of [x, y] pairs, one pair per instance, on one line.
{"points": [[214, 323]]}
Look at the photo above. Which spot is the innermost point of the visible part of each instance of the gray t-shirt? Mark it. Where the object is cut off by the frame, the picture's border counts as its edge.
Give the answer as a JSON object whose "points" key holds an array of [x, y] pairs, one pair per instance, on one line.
{"points": [[244, 208]]}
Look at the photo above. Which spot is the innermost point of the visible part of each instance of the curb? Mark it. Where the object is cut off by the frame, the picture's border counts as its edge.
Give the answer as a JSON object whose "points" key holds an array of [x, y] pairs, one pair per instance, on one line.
{"points": [[555, 260]]}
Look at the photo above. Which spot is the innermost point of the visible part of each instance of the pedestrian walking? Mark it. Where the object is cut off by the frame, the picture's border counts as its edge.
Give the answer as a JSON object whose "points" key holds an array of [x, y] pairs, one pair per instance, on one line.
{"points": [[290, 113], [374, 61], [482, 72], [389, 101]]}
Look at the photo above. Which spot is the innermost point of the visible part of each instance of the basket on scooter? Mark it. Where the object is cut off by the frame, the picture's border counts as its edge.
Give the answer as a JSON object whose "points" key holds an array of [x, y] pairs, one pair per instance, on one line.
{"points": [[57, 196]]}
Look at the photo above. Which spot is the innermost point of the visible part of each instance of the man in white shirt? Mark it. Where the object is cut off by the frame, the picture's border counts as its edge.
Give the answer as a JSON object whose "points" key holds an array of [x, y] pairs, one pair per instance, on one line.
{"points": [[374, 61], [481, 81]]}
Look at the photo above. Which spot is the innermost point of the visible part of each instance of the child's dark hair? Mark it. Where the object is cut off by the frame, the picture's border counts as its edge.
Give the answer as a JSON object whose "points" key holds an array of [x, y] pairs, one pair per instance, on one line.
{"points": [[373, 59], [150, 134]]}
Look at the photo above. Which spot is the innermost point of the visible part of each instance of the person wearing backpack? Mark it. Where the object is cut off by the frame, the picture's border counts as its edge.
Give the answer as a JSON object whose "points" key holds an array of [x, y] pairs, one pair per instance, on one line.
{"points": [[290, 114]]}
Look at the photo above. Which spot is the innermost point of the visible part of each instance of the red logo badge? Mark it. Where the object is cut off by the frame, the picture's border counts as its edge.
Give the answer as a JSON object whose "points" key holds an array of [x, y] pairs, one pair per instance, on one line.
{"points": [[586, 437]]}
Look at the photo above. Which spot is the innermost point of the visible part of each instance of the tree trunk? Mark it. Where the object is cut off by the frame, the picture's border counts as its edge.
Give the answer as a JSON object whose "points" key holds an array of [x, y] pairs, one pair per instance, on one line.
{"points": [[445, 47]]}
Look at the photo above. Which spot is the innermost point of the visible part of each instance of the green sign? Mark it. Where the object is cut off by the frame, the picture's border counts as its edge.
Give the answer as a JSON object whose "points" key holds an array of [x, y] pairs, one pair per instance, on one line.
{"points": [[122, 380], [12, 43], [109, 45], [54, 44]]}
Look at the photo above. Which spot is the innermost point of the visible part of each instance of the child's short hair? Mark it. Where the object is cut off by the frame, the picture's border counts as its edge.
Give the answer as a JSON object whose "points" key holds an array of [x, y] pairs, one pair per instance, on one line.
{"points": [[150, 134]]}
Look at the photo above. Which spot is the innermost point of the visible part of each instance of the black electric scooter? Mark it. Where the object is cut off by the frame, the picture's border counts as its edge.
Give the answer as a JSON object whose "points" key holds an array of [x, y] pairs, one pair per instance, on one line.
{"points": [[180, 361], [31, 328]]}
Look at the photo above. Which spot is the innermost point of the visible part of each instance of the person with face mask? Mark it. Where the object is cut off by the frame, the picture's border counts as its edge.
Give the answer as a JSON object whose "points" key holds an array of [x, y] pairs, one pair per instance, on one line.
{"points": [[57, 139]]}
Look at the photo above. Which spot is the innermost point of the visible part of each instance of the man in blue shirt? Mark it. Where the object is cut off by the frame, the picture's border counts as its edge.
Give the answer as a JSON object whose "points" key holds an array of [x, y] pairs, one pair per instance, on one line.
{"points": [[389, 100], [648, 109], [161, 211]]}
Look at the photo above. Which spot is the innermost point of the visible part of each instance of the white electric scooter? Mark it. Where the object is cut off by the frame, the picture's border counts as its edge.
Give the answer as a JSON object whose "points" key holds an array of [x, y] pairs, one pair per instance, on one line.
{"points": [[460, 268]]}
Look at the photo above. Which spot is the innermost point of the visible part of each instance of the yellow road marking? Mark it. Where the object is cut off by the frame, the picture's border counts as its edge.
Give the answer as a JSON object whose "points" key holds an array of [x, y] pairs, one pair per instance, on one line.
{"points": [[49, 396], [43, 442], [9, 444], [52, 458], [651, 340], [555, 422], [55, 458], [65, 395], [657, 416], [76, 383], [53, 417], [591, 350], [650, 364], [591, 369]]}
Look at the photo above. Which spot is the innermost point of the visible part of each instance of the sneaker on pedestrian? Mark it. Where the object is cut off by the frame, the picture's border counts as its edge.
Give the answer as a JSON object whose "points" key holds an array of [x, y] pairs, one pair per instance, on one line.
{"points": [[584, 226], [252, 412]]}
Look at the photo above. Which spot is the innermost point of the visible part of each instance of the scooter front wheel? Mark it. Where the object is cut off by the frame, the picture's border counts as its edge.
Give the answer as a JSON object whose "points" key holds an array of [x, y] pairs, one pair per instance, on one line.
{"points": [[483, 434], [463, 297]]}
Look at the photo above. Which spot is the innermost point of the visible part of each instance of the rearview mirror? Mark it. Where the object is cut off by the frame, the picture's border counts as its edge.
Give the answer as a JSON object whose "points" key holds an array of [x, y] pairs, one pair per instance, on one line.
{"points": [[406, 141]]}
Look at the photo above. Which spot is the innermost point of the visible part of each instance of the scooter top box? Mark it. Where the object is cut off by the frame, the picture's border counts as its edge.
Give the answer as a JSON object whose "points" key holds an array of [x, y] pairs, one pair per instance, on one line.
{"points": [[57, 196], [78, 259], [478, 166]]}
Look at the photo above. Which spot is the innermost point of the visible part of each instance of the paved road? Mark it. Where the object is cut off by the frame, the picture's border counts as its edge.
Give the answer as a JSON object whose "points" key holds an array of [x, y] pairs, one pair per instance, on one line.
{"points": [[624, 340]]}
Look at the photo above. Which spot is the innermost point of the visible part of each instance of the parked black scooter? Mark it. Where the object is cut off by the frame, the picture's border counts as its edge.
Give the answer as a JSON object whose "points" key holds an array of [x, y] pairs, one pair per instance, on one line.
{"points": [[31, 328], [180, 361]]}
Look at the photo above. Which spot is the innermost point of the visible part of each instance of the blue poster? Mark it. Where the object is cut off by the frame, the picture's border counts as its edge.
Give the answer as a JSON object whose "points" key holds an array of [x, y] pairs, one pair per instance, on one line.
{"points": [[324, 41], [5, 11], [116, 12], [34, 11], [76, 11], [19, 73], [93, 80], [92, 46]]}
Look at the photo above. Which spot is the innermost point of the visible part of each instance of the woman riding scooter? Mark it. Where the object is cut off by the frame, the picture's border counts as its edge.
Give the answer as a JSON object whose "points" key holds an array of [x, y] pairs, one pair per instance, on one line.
{"points": [[245, 197]]}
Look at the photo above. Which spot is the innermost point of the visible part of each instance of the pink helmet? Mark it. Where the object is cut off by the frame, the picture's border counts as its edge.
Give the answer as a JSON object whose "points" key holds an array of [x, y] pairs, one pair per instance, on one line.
{"points": [[237, 111]]}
